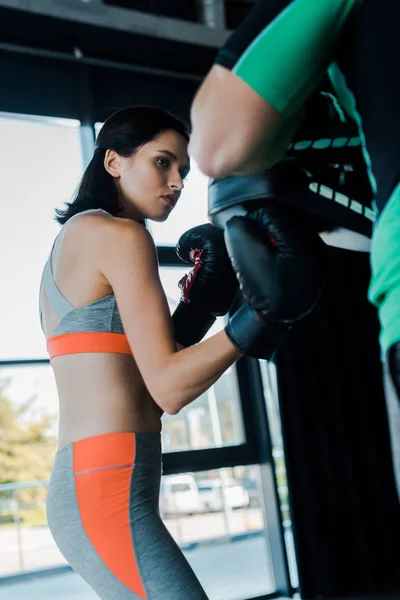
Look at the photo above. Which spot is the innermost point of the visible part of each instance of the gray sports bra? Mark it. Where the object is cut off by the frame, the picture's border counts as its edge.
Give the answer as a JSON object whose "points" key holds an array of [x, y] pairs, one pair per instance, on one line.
{"points": [[95, 327]]}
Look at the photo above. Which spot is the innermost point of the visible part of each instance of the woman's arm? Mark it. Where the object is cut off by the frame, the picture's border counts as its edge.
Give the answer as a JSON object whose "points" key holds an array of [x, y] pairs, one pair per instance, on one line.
{"points": [[127, 258]]}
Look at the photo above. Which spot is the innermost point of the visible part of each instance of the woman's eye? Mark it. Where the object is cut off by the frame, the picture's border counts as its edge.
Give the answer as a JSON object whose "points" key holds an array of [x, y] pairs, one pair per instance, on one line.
{"points": [[163, 162]]}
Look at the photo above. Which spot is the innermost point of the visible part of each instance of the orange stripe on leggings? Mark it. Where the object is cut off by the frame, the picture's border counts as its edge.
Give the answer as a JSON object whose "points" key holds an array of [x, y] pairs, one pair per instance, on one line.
{"points": [[91, 341], [103, 500]]}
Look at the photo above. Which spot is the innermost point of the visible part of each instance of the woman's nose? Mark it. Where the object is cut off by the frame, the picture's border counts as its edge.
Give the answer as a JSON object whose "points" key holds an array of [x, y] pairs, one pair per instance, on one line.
{"points": [[176, 181]]}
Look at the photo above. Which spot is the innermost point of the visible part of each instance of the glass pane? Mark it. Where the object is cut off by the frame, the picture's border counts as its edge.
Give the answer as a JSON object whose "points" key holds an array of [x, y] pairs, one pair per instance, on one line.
{"points": [[214, 419], [28, 428], [41, 166], [217, 520], [97, 127], [268, 374], [211, 421]]}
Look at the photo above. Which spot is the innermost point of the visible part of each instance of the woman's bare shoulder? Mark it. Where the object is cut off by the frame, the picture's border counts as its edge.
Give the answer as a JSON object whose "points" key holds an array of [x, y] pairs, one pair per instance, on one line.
{"points": [[106, 229]]}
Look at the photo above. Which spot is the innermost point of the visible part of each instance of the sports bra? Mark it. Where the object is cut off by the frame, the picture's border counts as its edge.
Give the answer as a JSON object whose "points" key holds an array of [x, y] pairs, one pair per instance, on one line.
{"points": [[95, 327]]}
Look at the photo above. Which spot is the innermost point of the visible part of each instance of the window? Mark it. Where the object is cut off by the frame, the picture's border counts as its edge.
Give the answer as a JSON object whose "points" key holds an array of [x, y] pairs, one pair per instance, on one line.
{"points": [[28, 428], [268, 374], [33, 394], [217, 520], [180, 487], [214, 419], [41, 166]]}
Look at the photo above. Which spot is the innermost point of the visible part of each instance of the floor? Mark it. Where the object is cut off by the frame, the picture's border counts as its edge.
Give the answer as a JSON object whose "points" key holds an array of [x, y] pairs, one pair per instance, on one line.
{"points": [[69, 586]]}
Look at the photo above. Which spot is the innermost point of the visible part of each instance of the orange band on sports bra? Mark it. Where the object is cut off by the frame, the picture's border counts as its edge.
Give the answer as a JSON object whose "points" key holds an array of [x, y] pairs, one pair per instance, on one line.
{"points": [[85, 342]]}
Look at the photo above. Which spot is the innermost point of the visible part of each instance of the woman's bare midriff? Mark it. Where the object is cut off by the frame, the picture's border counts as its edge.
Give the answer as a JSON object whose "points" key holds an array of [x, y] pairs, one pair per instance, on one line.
{"points": [[98, 392], [102, 393]]}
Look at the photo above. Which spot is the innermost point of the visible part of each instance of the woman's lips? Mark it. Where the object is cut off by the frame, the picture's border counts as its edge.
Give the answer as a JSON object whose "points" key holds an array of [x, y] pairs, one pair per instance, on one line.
{"points": [[169, 200]]}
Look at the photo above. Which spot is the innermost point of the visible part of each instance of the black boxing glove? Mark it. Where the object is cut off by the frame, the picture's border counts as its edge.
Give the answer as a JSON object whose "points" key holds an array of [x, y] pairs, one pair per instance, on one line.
{"points": [[208, 289], [281, 265]]}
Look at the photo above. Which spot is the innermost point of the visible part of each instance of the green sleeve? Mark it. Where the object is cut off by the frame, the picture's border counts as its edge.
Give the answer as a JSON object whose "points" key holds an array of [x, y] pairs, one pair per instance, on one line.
{"points": [[287, 60]]}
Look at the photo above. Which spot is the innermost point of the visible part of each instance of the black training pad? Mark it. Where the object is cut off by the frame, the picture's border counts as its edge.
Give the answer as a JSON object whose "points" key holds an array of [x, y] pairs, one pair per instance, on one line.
{"points": [[289, 182]]}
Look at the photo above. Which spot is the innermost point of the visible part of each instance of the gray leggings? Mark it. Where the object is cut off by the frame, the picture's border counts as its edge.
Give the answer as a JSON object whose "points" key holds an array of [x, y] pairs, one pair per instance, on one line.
{"points": [[102, 510]]}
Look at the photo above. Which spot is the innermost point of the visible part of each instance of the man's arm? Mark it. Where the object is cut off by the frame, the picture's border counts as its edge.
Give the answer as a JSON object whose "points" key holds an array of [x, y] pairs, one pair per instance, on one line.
{"points": [[250, 104]]}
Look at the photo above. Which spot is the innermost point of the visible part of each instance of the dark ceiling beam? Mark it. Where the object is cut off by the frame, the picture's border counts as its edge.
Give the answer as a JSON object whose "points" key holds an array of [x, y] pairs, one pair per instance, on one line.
{"points": [[94, 12], [77, 57]]}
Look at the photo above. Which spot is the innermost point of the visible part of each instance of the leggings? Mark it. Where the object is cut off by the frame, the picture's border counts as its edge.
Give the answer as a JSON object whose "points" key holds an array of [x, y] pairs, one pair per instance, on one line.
{"points": [[102, 510]]}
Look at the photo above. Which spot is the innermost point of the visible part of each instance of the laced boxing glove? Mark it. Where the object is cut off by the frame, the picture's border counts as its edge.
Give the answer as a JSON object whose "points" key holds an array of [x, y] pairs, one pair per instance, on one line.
{"points": [[208, 289], [281, 266]]}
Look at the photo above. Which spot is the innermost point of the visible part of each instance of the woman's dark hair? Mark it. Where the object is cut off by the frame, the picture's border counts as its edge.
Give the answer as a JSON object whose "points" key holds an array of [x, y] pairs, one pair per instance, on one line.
{"points": [[125, 131]]}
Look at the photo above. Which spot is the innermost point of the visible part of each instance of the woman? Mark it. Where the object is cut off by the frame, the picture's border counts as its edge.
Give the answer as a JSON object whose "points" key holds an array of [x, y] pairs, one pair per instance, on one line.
{"points": [[114, 353], [103, 495]]}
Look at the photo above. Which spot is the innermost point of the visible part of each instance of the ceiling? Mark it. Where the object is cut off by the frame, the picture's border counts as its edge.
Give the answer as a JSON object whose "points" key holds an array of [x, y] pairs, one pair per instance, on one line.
{"points": [[159, 34]]}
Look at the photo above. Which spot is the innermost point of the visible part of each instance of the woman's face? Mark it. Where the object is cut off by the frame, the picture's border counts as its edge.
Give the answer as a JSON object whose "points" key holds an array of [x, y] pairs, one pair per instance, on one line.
{"points": [[150, 182]]}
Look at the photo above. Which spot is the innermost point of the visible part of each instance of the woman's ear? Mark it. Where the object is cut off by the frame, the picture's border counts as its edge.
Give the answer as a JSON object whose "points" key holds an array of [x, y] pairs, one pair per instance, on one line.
{"points": [[112, 163]]}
